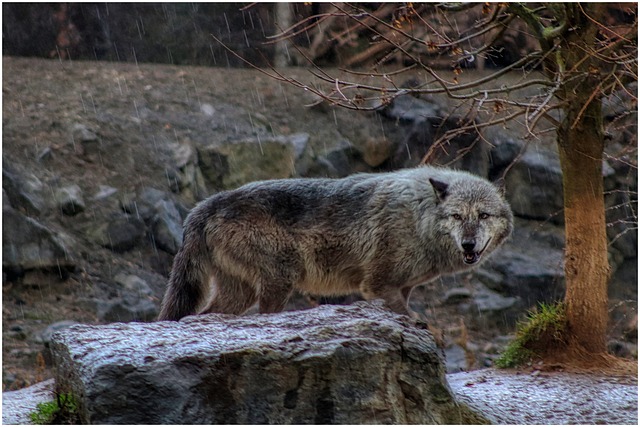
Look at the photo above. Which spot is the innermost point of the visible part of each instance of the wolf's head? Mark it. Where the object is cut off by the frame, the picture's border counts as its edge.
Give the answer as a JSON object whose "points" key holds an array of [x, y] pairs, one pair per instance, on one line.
{"points": [[474, 213]]}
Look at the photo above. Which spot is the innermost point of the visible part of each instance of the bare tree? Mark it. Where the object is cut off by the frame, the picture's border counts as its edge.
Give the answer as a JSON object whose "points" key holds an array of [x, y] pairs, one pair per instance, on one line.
{"points": [[576, 53]]}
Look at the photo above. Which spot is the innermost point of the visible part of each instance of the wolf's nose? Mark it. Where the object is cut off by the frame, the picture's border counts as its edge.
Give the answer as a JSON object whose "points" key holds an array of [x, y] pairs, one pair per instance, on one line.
{"points": [[468, 245]]}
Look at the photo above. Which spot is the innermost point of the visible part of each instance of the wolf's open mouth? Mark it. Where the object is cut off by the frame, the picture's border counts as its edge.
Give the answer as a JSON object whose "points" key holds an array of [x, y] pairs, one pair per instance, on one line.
{"points": [[473, 257]]}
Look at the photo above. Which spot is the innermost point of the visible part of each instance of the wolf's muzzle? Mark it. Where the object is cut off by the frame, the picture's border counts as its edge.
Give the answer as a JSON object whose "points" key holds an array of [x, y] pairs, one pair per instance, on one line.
{"points": [[469, 256]]}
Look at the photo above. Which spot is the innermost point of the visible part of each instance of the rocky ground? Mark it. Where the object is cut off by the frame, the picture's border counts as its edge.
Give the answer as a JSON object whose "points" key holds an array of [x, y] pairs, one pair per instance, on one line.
{"points": [[357, 364], [101, 162]]}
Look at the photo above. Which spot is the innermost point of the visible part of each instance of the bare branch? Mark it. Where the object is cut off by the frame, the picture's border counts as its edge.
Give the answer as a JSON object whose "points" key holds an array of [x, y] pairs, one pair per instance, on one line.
{"points": [[603, 26]]}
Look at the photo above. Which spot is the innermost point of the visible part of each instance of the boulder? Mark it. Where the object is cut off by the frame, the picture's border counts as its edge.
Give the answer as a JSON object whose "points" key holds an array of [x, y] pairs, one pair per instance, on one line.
{"points": [[530, 266], [69, 200], [505, 151], [17, 405], [490, 310], [357, 364], [416, 123], [23, 190], [128, 308], [161, 213], [104, 192], [457, 359], [483, 308], [143, 204], [376, 150], [134, 301], [119, 233], [550, 398], [185, 177], [409, 108], [342, 160], [620, 103], [487, 302], [44, 337], [28, 245], [85, 141], [166, 226], [534, 185], [233, 163], [133, 284]]}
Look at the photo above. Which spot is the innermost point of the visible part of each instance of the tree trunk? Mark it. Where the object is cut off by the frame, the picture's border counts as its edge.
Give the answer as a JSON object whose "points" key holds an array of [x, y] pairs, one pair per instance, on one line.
{"points": [[586, 264], [581, 146]]}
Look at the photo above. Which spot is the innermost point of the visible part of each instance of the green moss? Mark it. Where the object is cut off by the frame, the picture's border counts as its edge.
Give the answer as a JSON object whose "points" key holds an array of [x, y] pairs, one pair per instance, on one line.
{"points": [[63, 410], [543, 330]]}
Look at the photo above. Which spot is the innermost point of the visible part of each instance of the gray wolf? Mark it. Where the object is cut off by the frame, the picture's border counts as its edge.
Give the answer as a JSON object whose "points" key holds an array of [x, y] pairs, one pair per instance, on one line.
{"points": [[377, 234]]}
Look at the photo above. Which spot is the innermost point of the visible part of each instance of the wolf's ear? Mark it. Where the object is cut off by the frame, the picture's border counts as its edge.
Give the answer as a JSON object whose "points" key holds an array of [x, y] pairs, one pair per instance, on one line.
{"points": [[500, 185], [440, 189]]}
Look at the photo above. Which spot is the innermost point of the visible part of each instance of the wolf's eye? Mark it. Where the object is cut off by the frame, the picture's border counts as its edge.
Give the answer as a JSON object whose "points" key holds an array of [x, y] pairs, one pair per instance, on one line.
{"points": [[484, 215], [457, 217]]}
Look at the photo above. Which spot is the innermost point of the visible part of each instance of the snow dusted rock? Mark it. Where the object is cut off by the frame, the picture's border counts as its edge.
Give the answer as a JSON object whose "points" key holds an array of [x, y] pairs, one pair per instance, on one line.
{"points": [[554, 398], [357, 364], [17, 405]]}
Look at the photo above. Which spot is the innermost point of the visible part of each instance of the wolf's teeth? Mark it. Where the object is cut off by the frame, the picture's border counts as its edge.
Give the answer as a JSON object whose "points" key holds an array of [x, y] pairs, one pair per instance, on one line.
{"points": [[471, 258]]}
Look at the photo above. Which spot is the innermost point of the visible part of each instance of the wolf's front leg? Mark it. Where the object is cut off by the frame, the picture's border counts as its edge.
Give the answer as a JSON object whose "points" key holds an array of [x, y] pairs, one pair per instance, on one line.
{"points": [[393, 296]]}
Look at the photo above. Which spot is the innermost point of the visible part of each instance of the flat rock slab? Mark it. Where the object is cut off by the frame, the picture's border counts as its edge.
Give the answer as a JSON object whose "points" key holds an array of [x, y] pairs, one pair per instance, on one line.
{"points": [[508, 397], [356, 364]]}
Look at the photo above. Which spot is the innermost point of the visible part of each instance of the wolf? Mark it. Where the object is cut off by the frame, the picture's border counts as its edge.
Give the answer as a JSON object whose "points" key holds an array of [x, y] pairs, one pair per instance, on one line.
{"points": [[379, 234]]}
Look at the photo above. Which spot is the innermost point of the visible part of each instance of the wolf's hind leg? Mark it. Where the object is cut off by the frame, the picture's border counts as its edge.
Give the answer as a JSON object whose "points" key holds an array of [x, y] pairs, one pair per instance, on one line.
{"points": [[274, 296], [231, 295]]}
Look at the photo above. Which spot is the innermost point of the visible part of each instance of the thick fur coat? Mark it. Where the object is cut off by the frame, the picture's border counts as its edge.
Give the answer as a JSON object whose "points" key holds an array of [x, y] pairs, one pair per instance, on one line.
{"points": [[377, 234]]}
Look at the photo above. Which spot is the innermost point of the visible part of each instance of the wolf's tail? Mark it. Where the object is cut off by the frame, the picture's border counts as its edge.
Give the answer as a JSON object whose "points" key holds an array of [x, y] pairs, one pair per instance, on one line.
{"points": [[187, 281]]}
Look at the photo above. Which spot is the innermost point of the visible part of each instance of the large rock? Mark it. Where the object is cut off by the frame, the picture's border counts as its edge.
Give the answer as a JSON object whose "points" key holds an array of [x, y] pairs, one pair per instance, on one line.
{"points": [[416, 124], [550, 398], [534, 180], [85, 141], [23, 190], [167, 227], [236, 162], [69, 200], [530, 266], [17, 405], [134, 301], [161, 213], [409, 108], [28, 245], [357, 364], [339, 161], [185, 177], [144, 205], [534, 185], [119, 233]]}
